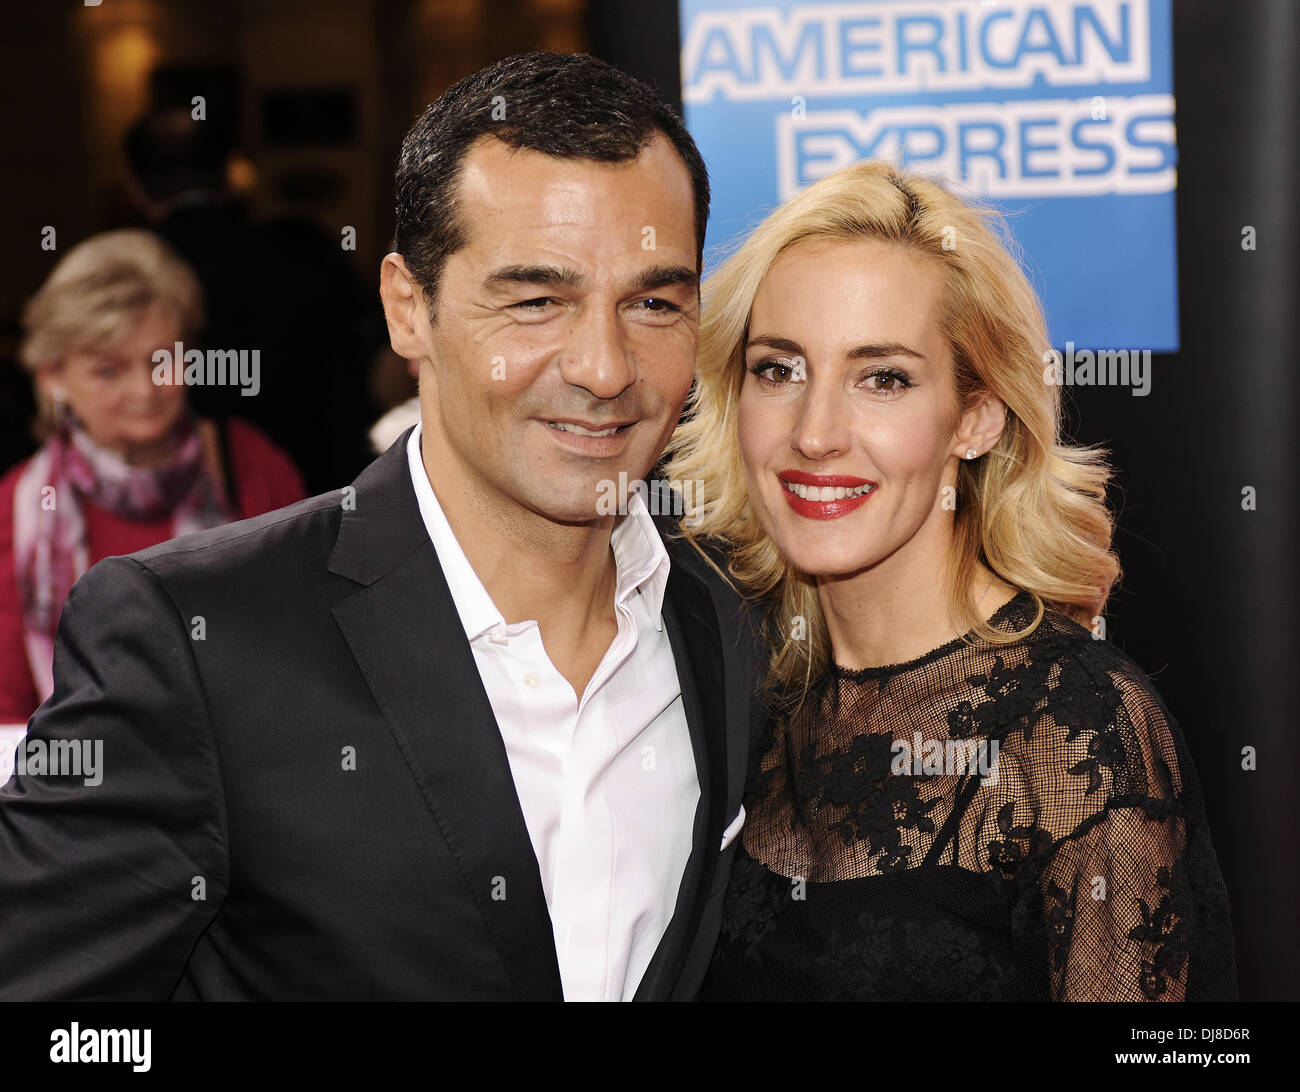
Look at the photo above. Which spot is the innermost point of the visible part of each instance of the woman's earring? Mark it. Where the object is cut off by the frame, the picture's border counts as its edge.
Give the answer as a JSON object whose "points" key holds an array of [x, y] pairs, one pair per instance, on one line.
{"points": [[59, 400], [971, 453]]}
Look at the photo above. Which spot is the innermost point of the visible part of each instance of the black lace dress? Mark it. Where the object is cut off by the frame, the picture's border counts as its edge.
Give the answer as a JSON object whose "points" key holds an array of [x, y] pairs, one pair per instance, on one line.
{"points": [[982, 823]]}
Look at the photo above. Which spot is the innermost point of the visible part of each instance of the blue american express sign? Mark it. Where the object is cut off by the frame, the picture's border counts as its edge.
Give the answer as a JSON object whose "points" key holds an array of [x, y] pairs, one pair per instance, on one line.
{"points": [[1060, 113]]}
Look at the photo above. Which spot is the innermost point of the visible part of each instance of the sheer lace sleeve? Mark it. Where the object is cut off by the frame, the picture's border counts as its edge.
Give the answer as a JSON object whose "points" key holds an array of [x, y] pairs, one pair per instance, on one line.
{"points": [[1014, 821], [1099, 824]]}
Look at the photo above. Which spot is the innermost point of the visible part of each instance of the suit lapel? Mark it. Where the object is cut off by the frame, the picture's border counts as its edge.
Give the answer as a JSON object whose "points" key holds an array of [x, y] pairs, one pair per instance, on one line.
{"points": [[404, 632], [692, 628]]}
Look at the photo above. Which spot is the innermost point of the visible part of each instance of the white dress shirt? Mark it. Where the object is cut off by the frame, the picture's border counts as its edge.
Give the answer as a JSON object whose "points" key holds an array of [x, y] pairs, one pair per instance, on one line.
{"points": [[607, 783]]}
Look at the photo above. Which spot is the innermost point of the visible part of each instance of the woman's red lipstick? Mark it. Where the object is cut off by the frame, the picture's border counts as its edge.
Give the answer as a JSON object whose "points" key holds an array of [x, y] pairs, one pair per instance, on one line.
{"points": [[834, 506]]}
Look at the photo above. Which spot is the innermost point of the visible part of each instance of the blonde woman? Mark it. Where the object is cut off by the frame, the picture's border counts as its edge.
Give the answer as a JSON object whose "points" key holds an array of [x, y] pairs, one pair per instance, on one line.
{"points": [[124, 464], [962, 792]]}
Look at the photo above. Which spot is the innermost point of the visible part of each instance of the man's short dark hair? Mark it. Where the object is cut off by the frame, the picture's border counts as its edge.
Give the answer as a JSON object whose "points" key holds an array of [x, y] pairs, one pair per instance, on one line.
{"points": [[572, 106]]}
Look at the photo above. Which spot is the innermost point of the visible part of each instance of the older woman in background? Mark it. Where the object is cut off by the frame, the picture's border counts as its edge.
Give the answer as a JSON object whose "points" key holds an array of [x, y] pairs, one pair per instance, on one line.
{"points": [[124, 464]]}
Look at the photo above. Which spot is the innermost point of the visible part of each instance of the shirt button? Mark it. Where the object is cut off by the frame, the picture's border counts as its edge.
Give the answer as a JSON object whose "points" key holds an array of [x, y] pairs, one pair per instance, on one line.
{"points": [[532, 681]]}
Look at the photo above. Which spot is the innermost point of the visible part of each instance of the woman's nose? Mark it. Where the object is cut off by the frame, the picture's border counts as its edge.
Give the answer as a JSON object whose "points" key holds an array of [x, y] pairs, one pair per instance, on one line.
{"points": [[821, 428], [142, 385]]}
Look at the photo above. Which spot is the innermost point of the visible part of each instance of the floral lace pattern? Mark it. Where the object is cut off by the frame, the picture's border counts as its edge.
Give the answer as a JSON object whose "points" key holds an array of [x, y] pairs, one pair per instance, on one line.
{"points": [[879, 860]]}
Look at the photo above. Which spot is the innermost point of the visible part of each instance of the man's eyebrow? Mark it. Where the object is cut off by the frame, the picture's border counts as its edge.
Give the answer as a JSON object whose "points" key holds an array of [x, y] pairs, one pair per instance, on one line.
{"points": [[665, 276], [872, 351], [533, 274], [659, 276]]}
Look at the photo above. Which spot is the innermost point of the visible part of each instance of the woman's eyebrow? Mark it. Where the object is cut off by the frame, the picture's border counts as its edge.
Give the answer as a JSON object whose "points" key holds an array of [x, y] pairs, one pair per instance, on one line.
{"points": [[870, 351], [879, 349], [781, 344]]}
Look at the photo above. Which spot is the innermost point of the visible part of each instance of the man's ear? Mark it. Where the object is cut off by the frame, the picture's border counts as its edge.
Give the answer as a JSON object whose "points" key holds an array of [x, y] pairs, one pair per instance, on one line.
{"points": [[404, 309], [980, 426]]}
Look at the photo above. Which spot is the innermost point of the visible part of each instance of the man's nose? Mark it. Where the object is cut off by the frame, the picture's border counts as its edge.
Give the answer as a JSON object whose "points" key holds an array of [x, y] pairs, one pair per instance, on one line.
{"points": [[596, 357]]}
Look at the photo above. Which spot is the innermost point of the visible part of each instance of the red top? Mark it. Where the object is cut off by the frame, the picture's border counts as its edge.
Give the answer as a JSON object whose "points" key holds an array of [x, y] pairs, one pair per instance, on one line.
{"points": [[265, 479]]}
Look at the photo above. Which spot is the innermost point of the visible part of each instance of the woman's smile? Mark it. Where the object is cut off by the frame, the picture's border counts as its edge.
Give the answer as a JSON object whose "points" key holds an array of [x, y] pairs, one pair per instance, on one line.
{"points": [[824, 496]]}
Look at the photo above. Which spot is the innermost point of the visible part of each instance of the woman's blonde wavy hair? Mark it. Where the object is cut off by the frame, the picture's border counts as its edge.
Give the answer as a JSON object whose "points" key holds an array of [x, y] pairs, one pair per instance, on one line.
{"points": [[1033, 509]]}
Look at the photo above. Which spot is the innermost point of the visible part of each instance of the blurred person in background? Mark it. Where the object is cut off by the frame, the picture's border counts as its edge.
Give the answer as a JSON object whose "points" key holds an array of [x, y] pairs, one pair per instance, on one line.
{"points": [[315, 399], [125, 463]]}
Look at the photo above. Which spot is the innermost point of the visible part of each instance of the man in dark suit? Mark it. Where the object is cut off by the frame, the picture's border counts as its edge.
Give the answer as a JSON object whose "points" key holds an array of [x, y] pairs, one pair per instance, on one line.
{"points": [[458, 730]]}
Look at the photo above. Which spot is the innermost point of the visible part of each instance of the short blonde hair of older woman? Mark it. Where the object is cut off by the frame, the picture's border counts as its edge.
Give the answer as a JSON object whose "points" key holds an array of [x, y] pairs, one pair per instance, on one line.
{"points": [[1033, 509], [100, 291]]}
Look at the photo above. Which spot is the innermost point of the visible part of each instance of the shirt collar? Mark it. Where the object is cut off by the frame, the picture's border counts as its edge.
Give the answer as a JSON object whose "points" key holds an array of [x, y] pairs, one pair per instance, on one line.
{"points": [[640, 559]]}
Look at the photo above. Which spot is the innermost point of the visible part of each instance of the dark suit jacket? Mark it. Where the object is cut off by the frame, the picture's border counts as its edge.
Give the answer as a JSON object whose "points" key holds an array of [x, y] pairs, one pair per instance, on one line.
{"points": [[233, 677]]}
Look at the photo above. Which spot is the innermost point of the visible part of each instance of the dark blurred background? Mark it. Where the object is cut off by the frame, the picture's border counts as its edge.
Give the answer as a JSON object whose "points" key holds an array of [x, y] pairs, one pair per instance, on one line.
{"points": [[313, 97]]}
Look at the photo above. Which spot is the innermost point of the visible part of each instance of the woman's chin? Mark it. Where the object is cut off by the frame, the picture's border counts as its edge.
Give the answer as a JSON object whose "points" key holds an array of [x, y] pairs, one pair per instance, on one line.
{"points": [[135, 442], [152, 430], [145, 439], [828, 563]]}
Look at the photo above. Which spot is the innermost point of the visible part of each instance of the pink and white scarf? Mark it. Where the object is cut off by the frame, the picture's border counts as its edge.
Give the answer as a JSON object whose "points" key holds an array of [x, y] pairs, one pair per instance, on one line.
{"points": [[50, 542]]}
